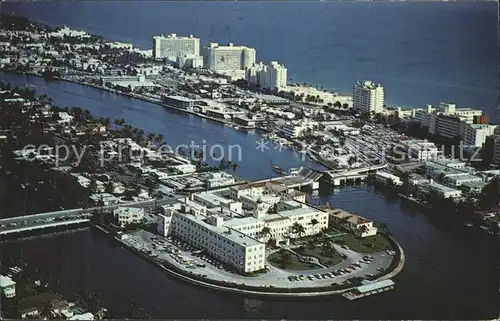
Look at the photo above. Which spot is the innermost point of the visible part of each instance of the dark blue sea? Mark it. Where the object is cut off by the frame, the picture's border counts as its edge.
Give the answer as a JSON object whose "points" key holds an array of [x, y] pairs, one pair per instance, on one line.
{"points": [[423, 53]]}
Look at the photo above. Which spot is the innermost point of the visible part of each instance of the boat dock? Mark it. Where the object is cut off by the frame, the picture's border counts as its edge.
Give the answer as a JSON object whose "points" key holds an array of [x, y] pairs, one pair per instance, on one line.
{"points": [[369, 289]]}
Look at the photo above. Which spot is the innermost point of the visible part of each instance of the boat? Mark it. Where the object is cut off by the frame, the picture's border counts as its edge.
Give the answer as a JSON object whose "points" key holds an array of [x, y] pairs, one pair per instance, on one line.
{"points": [[279, 170], [484, 227], [468, 224]]}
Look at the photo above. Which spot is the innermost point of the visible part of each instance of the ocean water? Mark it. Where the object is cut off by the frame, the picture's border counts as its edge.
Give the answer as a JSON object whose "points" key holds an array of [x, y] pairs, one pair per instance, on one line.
{"points": [[423, 53]]}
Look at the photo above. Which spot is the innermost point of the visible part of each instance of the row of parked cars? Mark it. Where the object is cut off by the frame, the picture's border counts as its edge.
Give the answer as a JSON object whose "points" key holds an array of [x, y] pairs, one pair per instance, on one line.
{"points": [[197, 253], [367, 259]]}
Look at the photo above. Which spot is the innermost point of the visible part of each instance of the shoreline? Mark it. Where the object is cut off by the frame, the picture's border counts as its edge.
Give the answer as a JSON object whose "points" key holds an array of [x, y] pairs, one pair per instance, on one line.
{"points": [[134, 96], [252, 290]]}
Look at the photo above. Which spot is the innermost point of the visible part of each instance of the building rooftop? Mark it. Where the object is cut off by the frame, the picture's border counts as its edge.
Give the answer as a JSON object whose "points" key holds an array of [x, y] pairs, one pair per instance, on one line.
{"points": [[480, 184], [297, 211], [224, 231], [235, 222], [440, 187], [274, 218], [374, 286], [5, 281], [180, 98], [213, 198], [351, 217]]}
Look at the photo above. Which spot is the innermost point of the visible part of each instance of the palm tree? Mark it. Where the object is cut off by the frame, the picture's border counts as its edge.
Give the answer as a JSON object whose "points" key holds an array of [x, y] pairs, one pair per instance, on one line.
{"points": [[91, 302], [92, 185], [298, 229], [314, 222], [405, 179], [362, 229], [135, 312], [265, 231], [46, 309], [159, 138]]}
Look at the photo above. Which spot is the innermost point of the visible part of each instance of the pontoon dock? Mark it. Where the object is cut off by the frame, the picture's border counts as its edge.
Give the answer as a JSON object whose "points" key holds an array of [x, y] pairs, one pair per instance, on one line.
{"points": [[369, 289]]}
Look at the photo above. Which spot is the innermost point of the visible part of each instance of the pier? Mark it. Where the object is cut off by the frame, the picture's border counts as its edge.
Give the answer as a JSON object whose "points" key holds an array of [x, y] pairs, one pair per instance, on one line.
{"points": [[369, 289]]}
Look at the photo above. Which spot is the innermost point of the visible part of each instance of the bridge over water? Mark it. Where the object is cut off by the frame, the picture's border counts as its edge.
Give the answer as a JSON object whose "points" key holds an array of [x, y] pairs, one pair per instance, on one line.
{"points": [[33, 222], [337, 178]]}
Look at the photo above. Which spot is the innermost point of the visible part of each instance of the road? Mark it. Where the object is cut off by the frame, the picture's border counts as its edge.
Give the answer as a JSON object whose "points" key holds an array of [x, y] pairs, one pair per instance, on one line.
{"points": [[276, 277]]}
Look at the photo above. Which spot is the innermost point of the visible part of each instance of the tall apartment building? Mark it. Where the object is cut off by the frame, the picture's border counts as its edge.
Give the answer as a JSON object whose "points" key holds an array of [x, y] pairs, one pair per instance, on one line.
{"points": [[273, 76], [228, 58], [474, 135], [449, 121], [492, 150], [172, 46], [448, 126], [467, 115], [368, 97]]}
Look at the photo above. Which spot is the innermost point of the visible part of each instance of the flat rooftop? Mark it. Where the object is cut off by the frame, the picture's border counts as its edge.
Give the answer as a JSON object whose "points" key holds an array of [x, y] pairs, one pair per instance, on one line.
{"points": [[224, 231], [298, 211], [212, 198], [375, 286], [235, 222]]}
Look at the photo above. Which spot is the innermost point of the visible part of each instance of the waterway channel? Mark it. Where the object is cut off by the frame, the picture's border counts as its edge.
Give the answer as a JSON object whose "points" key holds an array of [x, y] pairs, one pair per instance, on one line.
{"points": [[450, 271]]}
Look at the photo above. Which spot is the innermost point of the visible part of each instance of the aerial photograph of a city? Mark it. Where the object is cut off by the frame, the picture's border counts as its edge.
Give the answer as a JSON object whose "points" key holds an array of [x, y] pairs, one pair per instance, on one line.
{"points": [[309, 160]]}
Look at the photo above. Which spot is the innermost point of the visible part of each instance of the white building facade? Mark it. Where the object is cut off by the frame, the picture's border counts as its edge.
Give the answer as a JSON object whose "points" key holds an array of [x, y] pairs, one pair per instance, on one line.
{"points": [[172, 46], [368, 97], [228, 58], [273, 76], [129, 215]]}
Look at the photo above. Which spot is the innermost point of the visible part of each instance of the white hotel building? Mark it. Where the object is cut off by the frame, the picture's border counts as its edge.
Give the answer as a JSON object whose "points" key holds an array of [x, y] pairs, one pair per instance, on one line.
{"points": [[368, 97], [209, 232], [172, 47], [229, 223], [231, 60], [273, 76]]}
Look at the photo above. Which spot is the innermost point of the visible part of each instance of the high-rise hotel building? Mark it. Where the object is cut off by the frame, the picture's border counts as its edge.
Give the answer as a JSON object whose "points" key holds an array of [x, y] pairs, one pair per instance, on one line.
{"points": [[368, 97], [172, 47], [273, 76], [228, 58]]}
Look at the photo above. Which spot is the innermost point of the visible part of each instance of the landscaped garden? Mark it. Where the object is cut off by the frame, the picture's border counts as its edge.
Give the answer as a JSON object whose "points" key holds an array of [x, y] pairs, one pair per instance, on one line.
{"points": [[368, 244], [286, 260], [325, 253]]}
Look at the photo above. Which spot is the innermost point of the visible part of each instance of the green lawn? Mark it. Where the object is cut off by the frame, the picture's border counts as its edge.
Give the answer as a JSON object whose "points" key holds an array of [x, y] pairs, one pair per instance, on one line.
{"points": [[293, 264], [317, 252], [368, 244]]}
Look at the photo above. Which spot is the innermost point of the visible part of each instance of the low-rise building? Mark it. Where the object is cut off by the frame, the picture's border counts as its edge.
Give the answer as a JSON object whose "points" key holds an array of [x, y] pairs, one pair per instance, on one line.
{"points": [[456, 180], [442, 190], [416, 149], [387, 178], [220, 179], [473, 188], [359, 225], [179, 102], [128, 215], [7, 286]]}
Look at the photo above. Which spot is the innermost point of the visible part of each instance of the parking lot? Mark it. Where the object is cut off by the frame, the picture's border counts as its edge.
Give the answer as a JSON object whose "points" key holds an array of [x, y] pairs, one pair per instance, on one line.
{"points": [[194, 260]]}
